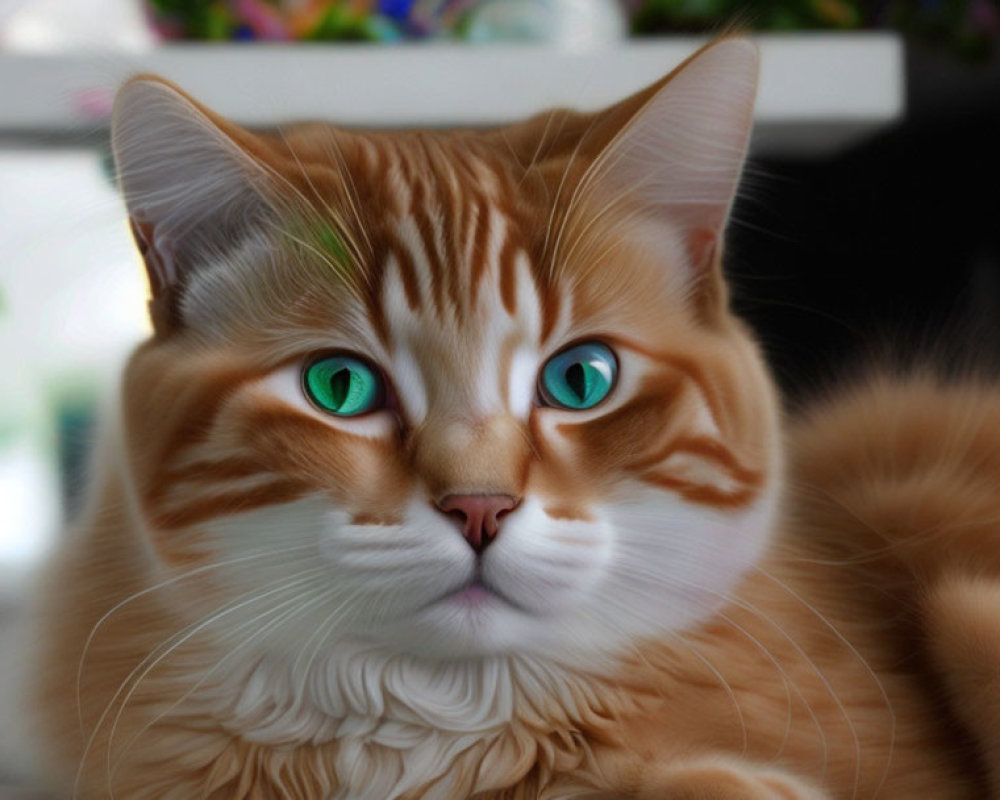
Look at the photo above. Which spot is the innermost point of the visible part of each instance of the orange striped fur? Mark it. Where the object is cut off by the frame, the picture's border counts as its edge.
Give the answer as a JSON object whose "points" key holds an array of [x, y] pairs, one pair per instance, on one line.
{"points": [[263, 601]]}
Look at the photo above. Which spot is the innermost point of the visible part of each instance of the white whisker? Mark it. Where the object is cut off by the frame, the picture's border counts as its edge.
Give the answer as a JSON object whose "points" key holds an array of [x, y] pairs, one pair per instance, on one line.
{"points": [[864, 664], [169, 646], [294, 606], [157, 587]]}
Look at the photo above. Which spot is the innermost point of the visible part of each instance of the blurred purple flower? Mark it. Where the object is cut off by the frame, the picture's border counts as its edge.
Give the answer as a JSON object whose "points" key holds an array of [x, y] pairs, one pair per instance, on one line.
{"points": [[261, 18], [985, 16]]}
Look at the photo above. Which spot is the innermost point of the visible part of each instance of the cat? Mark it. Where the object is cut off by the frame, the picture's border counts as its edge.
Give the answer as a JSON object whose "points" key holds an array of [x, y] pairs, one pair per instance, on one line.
{"points": [[447, 472]]}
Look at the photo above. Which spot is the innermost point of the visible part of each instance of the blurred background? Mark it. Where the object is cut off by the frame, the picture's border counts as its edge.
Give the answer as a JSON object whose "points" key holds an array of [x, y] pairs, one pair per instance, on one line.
{"points": [[869, 214]]}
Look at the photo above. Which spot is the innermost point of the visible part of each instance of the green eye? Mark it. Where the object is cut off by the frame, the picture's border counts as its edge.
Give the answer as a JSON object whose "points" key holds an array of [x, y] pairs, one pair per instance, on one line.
{"points": [[580, 377], [343, 385]]}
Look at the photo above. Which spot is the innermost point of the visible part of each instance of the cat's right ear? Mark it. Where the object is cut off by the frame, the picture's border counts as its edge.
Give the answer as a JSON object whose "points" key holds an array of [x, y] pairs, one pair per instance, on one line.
{"points": [[191, 185]]}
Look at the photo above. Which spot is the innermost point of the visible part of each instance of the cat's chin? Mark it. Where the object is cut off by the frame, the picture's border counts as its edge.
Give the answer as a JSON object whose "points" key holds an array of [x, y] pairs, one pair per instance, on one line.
{"points": [[475, 596], [471, 621]]}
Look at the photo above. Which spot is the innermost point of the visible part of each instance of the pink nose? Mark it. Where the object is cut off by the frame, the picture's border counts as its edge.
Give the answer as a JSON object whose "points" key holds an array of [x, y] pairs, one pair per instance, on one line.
{"points": [[480, 515]]}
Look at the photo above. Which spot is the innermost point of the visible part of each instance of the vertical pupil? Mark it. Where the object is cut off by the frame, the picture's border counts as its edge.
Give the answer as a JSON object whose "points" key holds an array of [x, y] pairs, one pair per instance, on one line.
{"points": [[576, 379], [340, 385]]}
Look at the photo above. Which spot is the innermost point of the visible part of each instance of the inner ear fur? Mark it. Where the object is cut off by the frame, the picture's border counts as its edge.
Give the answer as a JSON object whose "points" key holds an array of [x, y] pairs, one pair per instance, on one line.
{"points": [[674, 152], [191, 183]]}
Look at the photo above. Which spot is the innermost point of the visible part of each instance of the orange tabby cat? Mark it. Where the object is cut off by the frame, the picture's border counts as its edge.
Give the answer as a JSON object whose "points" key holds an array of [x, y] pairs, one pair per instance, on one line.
{"points": [[447, 473]]}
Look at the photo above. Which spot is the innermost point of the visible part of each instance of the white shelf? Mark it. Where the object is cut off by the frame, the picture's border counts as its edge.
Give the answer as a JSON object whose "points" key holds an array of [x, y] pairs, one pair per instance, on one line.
{"points": [[818, 92]]}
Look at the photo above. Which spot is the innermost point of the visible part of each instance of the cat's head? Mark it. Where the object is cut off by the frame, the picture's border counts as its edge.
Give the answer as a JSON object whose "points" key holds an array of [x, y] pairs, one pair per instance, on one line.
{"points": [[449, 393]]}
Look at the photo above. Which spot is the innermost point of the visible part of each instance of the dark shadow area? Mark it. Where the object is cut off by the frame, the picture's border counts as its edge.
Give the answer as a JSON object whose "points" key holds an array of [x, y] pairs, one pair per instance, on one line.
{"points": [[893, 245]]}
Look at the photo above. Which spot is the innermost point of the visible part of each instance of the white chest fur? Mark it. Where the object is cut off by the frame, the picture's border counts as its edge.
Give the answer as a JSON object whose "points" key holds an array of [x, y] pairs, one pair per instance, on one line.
{"points": [[401, 723]]}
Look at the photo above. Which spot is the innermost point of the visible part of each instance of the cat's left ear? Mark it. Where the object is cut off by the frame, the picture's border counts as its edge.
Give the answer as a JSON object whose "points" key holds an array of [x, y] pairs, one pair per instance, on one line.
{"points": [[679, 154], [193, 188]]}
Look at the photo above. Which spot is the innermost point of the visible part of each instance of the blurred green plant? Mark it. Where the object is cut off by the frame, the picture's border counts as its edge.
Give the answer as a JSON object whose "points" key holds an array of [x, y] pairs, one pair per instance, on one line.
{"points": [[662, 16], [966, 27], [197, 19]]}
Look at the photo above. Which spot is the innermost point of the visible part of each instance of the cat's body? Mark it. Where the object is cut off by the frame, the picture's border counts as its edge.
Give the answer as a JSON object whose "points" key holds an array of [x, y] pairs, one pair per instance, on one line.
{"points": [[268, 596], [820, 666]]}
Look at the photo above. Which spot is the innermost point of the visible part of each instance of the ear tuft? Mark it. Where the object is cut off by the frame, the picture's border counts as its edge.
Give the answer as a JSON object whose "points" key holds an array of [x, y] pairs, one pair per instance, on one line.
{"points": [[191, 191], [680, 154]]}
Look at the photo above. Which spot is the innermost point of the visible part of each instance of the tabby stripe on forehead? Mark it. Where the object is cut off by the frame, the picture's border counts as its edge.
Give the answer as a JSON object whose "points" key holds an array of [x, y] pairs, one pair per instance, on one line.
{"points": [[402, 162], [508, 273], [371, 157], [479, 247], [386, 176], [407, 269], [451, 210], [449, 205], [427, 231], [464, 237], [373, 299], [462, 160]]}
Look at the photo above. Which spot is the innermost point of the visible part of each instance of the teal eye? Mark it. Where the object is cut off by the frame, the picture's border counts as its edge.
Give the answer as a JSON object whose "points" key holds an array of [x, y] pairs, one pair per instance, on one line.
{"points": [[580, 377], [343, 385]]}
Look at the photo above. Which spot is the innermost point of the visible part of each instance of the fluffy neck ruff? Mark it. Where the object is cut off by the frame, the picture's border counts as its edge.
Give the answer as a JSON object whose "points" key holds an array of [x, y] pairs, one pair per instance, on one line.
{"points": [[398, 724]]}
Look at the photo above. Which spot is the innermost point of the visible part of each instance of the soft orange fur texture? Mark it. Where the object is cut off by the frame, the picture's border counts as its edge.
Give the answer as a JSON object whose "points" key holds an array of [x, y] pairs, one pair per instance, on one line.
{"points": [[859, 658]]}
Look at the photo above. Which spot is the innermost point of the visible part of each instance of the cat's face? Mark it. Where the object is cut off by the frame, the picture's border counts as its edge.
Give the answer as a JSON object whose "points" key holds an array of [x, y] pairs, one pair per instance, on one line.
{"points": [[449, 394]]}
